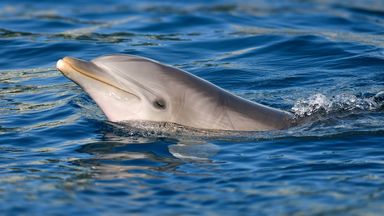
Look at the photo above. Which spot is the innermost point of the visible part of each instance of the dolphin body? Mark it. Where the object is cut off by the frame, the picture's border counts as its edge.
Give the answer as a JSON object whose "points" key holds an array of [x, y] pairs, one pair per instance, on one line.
{"points": [[133, 88]]}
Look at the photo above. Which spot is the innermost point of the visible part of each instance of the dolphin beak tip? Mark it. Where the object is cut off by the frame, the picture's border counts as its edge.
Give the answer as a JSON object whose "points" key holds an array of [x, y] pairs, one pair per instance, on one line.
{"points": [[60, 64]]}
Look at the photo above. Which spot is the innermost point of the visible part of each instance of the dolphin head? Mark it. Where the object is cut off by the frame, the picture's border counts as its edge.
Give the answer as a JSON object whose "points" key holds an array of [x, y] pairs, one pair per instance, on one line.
{"points": [[125, 87], [133, 88]]}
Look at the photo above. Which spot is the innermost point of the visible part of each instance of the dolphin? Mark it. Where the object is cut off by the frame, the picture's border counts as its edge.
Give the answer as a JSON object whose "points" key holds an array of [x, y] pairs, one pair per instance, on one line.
{"points": [[133, 88]]}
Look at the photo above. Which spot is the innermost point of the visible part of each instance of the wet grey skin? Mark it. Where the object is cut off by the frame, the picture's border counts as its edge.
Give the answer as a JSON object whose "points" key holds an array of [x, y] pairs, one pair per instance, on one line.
{"points": [[133, 88]]}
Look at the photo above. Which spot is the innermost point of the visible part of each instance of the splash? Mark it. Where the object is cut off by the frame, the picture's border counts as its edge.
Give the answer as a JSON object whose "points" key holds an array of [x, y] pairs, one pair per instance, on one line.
{"points": [[320, 104]]}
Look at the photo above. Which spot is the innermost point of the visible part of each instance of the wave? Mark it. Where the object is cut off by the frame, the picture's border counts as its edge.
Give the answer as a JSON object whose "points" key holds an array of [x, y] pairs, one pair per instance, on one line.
{"points": [[319, 104]]}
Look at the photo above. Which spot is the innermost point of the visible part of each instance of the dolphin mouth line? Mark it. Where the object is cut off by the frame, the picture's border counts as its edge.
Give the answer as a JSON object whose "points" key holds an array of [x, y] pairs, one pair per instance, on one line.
{"points": [[89, 75]]}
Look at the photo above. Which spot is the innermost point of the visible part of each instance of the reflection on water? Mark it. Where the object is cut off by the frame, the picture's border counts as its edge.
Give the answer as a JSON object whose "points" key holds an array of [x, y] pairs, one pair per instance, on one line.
{"points": [[141, 154], [114, 160]]}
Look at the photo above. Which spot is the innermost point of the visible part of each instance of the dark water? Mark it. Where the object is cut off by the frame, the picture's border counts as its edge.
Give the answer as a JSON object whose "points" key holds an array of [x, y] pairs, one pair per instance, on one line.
{"points": [[322, 60]]}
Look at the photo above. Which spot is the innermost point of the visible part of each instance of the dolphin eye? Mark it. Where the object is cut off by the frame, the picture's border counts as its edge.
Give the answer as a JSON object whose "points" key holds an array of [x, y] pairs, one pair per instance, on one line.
{"points": [[159, 104]]}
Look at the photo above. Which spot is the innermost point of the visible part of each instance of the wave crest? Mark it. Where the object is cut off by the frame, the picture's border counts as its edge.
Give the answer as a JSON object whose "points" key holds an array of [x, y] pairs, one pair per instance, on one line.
{"points": [[320, 104]]}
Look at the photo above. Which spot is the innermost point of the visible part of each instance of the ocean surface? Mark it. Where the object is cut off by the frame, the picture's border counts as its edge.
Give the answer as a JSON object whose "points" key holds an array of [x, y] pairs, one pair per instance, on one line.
{"points": [[321, 60]]}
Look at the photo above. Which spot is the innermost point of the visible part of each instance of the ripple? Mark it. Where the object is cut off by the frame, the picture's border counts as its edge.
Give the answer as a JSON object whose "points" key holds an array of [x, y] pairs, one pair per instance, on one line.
{"points": [[374, 40], [322, 60], [4, 33]]}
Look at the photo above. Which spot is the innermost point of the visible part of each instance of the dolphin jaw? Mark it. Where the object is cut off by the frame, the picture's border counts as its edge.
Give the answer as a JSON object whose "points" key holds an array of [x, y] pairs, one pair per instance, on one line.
{"points": [[71, 67], [113, 101]]}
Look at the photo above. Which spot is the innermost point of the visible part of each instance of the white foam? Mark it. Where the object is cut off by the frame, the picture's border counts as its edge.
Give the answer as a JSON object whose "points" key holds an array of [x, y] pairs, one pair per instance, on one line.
{"points": [[320, 104]]}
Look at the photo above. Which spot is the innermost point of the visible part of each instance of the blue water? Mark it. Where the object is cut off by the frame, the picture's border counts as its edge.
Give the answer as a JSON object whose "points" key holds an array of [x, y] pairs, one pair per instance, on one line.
{"points": [[321, 60]]}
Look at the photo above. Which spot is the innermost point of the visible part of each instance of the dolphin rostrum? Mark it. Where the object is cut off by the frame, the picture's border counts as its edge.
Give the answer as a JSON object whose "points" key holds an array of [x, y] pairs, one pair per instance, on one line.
{"points": [[133, 88]]}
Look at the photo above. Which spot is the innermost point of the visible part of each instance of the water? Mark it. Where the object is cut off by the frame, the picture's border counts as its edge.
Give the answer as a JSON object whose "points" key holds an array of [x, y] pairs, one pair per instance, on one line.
{"points": [[322, 60]]}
